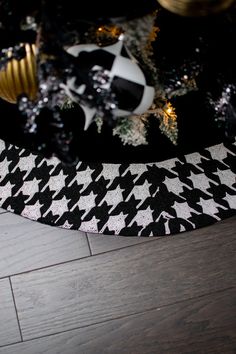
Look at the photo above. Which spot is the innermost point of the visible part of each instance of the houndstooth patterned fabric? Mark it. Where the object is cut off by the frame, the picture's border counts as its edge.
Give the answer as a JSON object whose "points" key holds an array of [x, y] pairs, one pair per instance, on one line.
{"points": [[151, 199]]}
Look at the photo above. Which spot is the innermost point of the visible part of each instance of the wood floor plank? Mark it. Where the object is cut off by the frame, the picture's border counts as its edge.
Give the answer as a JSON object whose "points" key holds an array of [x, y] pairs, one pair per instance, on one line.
{"points": [[9, 330], [126, 281], [2, 211], [198, 326], [27, 245], [104, 243]]}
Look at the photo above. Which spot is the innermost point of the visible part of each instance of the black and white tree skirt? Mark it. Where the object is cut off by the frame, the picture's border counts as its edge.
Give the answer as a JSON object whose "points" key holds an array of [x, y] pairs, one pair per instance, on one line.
{"points": [[132, 199], [156, 189]]}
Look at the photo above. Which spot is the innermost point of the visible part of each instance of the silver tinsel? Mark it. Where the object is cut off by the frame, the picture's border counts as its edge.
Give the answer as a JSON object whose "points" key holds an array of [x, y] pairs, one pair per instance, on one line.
{"points": [[221, 105]]}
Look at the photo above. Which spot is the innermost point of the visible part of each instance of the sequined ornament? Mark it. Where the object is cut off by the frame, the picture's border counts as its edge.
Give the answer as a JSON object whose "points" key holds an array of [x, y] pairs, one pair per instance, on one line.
{"points": [[19, 76], [194, 8], [110, 83]]}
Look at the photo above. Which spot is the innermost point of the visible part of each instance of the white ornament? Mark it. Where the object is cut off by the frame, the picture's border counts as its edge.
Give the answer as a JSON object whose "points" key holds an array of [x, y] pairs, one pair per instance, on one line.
{"points": [[124, 80]]}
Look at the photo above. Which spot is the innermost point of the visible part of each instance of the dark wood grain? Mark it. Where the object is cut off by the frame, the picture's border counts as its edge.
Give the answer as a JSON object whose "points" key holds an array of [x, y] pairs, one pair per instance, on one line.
{"points": [[127, 281], [199, 326]]}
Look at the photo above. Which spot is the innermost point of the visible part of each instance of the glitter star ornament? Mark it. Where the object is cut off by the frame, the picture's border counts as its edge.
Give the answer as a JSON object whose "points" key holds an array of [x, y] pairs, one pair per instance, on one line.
{"points": [[110, 83]]}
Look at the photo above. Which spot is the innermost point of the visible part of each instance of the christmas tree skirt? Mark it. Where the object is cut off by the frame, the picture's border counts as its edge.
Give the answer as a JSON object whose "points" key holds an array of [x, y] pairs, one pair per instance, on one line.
{"points": [[143, 199]]}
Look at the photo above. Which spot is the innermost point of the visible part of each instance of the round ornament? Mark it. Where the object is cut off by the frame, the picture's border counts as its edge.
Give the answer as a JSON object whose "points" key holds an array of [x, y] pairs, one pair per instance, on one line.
{"points": [[19, 77], [194, 8], [109, 82]]}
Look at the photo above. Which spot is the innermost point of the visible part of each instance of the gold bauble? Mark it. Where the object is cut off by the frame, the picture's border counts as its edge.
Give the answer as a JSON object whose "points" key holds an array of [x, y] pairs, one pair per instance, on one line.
{"points": [[19, 77], [196, 7]]}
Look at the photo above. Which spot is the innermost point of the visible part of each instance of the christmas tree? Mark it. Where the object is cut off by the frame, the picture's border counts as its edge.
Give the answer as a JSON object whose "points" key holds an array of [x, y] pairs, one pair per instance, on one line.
{"points": [[148, 79]]}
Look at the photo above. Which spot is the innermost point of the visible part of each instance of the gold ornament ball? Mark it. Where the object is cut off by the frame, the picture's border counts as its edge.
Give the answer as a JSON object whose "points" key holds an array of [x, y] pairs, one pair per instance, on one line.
{"points": [[195, 8], [20, 77]]}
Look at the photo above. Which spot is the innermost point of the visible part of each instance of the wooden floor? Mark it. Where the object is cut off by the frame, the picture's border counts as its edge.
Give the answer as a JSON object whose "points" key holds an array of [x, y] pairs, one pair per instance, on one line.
{"points": [[65, 292]]}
